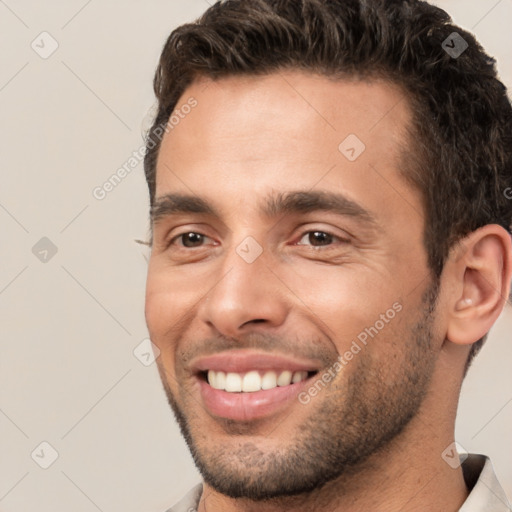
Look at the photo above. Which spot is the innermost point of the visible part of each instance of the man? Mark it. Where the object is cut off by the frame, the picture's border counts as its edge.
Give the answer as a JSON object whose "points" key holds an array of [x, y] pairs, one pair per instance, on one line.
{"points": [[330, 247]]}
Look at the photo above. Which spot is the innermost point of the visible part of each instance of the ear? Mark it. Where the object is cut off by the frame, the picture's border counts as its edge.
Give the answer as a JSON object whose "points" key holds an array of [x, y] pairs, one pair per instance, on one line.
{"points": [[478, 271]]}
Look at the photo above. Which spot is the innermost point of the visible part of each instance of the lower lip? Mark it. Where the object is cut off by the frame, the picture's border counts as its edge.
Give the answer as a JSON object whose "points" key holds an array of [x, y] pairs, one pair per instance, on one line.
{"points": [[248, 406]]}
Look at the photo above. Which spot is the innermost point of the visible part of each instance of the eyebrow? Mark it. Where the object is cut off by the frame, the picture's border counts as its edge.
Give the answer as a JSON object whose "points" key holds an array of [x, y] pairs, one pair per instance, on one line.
{"points": [[277, 204]]}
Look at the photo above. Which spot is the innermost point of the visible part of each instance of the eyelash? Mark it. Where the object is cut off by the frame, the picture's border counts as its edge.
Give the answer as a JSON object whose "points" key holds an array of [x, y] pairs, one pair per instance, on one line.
{"points": [[304, 233]]}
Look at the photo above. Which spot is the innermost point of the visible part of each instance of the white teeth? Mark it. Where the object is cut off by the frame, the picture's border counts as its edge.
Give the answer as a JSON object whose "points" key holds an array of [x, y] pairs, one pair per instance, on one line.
{"points": [[217, 380], [233, 383], [299, 376], [212, 379], [253, 380], [269, 380], [285, 378], [221, 380]]}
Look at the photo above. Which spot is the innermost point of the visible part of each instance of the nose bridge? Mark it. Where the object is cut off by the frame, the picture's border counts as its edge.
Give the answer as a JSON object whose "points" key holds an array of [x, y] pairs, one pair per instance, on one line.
{"points": [[245, 291], [244, 272]]}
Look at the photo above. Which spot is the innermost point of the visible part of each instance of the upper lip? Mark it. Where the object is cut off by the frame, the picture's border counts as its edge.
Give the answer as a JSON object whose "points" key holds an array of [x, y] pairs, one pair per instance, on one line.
{"points": [[242, 361]]}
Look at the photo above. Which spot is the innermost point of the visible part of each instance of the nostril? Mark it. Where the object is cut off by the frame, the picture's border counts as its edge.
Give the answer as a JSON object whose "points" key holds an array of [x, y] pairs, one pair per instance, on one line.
{"points": [[256, 321]]}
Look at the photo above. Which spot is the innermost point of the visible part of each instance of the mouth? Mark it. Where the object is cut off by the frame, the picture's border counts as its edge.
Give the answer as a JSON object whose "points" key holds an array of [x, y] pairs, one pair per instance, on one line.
{"points": [[254, 380], [243, 386]]}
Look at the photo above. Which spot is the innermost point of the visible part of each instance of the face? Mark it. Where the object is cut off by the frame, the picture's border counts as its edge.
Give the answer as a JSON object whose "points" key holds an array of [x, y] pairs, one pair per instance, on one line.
{"points": [[288, 283]]}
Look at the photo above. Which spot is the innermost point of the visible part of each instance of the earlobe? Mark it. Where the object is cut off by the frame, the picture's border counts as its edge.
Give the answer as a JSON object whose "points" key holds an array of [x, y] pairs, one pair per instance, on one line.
{"points": [[480, 277]]}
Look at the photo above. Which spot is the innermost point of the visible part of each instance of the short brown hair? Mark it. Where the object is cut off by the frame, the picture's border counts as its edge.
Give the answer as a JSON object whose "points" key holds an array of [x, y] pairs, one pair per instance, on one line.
{"points": [[460, 144]]}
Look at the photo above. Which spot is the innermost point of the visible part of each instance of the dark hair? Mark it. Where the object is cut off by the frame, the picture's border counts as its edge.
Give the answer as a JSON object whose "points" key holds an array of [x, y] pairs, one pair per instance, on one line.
{"points": [[459, 152]]}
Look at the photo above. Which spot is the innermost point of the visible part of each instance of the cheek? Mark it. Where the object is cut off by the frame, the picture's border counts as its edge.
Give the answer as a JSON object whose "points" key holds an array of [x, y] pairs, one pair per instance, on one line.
{"points": [[164, 297], [154, 308], [345, 301], [161, 309], [170, 303], [160, 318], [176, 289]]}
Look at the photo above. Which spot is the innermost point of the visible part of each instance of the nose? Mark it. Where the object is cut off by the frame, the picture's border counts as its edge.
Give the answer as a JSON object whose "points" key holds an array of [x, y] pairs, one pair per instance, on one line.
{"points": [[246, 294]]}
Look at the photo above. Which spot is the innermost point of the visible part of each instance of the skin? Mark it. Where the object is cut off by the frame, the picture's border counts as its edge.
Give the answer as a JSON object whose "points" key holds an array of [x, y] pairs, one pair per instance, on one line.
{"points": [[249, 137]]}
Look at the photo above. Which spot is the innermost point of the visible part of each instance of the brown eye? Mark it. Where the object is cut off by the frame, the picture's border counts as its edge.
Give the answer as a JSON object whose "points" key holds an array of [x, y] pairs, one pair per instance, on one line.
{"points": [[317, 238], [191, 239]]}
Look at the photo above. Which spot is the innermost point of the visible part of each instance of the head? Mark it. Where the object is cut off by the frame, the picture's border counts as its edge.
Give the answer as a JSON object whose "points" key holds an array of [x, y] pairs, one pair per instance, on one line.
{"points": [[349, 118]]}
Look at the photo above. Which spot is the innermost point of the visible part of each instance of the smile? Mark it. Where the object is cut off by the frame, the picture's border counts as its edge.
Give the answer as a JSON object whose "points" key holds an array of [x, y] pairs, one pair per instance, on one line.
{"points": [[244, 385], [254, 380]]}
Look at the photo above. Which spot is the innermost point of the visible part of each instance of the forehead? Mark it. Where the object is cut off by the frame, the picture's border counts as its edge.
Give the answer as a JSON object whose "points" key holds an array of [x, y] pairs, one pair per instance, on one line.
{"points": [[289, 100], [287, 130]]}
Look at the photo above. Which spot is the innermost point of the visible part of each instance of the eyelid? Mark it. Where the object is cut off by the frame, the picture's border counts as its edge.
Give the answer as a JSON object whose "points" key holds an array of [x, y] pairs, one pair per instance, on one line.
{"points": [[339, 238], [166, 235], [171, 241], [168, 241]]}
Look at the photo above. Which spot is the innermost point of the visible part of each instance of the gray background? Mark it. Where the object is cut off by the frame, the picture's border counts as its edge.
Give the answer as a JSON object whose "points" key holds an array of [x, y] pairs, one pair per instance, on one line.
{"points": [[69, 325]]}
